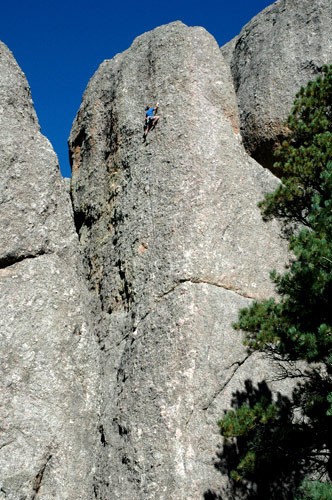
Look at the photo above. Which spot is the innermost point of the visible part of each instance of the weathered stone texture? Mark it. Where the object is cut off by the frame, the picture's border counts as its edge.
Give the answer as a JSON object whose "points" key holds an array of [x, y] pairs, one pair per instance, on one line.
{"points": [[49, 363], [173, 245], [276, 53]]}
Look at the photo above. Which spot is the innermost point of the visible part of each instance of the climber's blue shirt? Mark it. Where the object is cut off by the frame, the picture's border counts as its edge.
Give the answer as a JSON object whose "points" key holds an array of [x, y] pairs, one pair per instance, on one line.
{"points": [[149, 112]]}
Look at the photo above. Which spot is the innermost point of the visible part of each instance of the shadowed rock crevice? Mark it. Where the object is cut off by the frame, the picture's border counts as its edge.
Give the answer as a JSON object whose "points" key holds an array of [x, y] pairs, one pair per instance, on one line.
{"points": [[102, 435], [39, 477], [11, 259]]}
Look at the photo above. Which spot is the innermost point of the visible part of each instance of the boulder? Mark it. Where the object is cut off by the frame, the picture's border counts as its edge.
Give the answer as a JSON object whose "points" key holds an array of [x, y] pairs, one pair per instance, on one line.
{"points": [[276, 53]]}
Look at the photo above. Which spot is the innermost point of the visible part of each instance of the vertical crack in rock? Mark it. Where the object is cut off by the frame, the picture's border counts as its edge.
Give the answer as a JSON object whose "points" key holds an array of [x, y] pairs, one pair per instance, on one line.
{"points": [[102, 435], [39, 477]]}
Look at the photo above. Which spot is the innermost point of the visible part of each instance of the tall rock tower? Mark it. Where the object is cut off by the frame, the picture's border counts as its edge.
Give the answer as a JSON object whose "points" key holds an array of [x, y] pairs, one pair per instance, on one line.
{"points": [[49, 359], [173, 245]]}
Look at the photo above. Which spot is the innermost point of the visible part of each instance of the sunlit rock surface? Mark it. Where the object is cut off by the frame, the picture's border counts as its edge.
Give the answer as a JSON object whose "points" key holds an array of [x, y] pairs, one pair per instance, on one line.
{"points": [[276, 53], [173, 246], [49, 360]]}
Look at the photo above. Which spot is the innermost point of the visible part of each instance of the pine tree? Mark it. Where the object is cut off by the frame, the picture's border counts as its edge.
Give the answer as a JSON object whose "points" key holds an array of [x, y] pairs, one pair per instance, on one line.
{"points": [[304, 155], [275, 447]]}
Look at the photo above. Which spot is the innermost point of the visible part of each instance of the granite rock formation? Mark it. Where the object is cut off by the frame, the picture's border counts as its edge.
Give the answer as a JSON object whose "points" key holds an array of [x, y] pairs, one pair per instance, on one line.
{"points": [[276, 53], [117, 349], [173, 244], [49, 358]]}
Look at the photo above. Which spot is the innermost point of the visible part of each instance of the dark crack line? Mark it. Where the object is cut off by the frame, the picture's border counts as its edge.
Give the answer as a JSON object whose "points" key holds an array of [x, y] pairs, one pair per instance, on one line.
{"points": [[237, 365], [3, 445], [189, 417], [10, 260], [216, 284], [39, 477], [198, 281]]}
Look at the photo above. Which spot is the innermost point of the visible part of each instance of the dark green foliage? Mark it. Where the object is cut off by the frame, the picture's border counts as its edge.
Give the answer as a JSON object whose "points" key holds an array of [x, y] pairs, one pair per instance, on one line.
{"points": [[256, 421], [304, 156], [268, 452], [279, 443], [298, 326], [315, 490]]}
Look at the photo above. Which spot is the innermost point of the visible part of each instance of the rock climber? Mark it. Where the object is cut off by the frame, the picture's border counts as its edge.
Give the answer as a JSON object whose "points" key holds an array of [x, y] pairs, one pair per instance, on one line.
{"points": [[151, 119]]}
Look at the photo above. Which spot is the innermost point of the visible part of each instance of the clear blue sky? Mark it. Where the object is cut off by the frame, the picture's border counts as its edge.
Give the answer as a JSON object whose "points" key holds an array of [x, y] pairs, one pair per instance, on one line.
{"points": [[60, 44]]}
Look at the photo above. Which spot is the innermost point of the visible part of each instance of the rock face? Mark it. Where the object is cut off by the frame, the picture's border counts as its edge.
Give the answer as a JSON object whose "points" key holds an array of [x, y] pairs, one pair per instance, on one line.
{"points": [[173, 245], [117, 349], [276, 53], [49, 433]]}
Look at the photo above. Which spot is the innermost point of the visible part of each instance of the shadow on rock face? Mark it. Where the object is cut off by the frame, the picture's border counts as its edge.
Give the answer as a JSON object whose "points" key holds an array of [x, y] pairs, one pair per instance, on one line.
{"points": [[265, 154], [277, 444]]}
